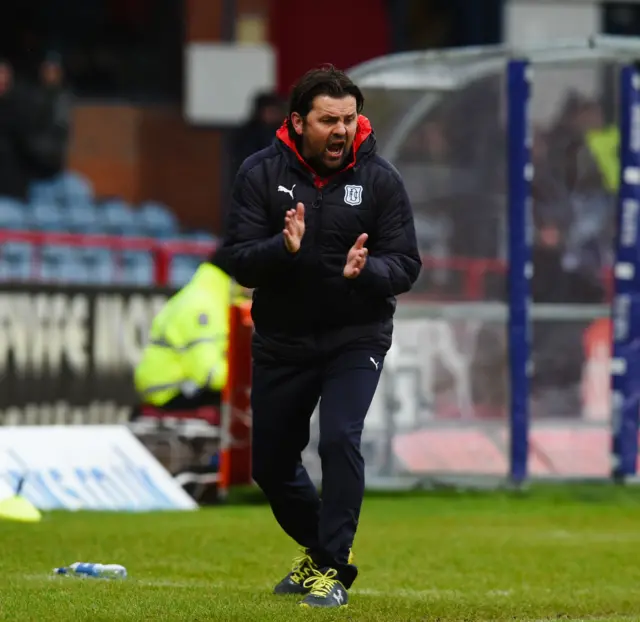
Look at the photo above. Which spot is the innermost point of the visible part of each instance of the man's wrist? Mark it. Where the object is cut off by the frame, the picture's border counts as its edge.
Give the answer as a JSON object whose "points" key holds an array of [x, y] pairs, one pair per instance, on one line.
{"points": [[288, 252]]}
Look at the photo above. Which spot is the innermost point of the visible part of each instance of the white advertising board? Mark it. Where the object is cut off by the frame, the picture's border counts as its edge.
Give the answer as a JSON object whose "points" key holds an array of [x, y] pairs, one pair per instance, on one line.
{"points": [[221, 80], [85, 468]]}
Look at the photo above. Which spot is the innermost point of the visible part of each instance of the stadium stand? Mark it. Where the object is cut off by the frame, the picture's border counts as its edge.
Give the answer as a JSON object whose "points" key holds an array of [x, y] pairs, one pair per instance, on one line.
{"points": [[67, 205]]}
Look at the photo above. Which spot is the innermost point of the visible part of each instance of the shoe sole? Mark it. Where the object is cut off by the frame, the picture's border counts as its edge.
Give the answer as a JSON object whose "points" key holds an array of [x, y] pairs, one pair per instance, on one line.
{"points": [[308, 606]]}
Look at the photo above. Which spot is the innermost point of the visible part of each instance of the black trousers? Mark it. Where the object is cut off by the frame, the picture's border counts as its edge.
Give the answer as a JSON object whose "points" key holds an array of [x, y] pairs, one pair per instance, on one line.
{"points": [[283, 399]]}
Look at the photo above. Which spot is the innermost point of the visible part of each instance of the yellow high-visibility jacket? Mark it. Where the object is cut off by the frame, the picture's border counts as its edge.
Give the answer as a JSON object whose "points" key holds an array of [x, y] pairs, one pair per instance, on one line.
{"points": [[187, 347], [604, 144]]}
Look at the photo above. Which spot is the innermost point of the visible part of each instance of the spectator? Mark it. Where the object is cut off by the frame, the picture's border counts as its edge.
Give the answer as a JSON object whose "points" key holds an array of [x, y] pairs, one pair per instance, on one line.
{"points": [[15, 147], [259, 132], [557, 345], [52, 118]]}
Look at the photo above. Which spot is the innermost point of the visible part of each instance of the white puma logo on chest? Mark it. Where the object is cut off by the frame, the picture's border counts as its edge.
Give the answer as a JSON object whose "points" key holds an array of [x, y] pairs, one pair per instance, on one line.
{"points": [[286, 190]]}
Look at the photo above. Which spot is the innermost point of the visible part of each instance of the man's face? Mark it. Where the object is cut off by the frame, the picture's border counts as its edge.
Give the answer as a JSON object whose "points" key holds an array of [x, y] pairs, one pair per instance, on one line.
{"points": [[549, 236], [328, 130], [272, 115], [6, 78], [51, 73]]}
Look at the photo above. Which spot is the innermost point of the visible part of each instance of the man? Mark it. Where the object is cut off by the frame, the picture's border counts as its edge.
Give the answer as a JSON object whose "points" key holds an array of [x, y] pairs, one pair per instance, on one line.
{"points": [[52, 112], [257, 132], [322, 310], [184, 365], [17, 155]]}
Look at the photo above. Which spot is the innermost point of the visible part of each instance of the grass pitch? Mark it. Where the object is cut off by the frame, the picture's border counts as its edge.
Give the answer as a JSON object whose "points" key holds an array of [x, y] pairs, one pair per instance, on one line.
{"points": [[550, 554]]}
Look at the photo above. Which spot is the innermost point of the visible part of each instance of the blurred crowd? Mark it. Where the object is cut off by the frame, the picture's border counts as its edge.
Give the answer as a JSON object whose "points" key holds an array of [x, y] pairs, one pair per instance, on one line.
{"points": [[461, 203], [35, 118], [455, 165], [575, 185]]}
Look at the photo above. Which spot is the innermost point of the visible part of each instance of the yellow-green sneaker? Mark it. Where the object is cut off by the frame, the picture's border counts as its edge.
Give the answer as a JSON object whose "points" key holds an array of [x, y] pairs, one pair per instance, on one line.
{"points": [[301, 569], [324, 590]]}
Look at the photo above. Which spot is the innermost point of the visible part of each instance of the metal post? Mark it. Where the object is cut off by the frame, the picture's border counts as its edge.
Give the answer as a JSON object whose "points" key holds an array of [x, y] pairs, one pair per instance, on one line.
{"points": [[625, 362], [520, 173]]}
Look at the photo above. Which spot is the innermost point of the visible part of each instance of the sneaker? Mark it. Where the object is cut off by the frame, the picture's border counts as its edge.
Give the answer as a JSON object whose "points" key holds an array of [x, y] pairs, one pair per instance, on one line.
{"points": [[302, 568], [324, 590]]}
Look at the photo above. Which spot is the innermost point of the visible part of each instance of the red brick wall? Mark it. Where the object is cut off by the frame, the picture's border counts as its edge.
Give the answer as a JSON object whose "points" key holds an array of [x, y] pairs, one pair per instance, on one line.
{"points": [[150, 152]]}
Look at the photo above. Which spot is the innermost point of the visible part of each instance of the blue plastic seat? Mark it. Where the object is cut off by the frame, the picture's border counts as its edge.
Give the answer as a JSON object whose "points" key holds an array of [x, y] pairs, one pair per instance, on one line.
{"points": [[74, 271], [137, 268], [98, 263], [118, 218], [11, 272], [16, 251], [16, 261], [46, 217], [55, 261], [157, 220], [13, 214], [44, 191], [83, 218], [202, 236], [182, 269], [73, 188], [54, 253]]}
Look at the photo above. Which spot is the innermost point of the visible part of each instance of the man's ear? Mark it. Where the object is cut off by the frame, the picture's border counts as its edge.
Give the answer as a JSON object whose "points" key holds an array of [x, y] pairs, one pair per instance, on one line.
{"points": [[297, 122]]}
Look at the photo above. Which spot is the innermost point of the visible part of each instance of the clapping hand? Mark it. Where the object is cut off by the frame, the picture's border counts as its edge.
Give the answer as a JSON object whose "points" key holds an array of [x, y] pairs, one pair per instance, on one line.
{"points": [[294, 228], [356, 258]]}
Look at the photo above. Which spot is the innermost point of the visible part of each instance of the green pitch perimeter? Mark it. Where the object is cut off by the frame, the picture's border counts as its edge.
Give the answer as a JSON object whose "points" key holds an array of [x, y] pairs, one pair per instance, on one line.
{"points": [[550, 554]]}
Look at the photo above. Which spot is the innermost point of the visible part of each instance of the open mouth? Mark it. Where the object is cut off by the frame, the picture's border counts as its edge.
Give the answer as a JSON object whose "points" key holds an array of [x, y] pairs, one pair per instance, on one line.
{"points": [[335, 151]]}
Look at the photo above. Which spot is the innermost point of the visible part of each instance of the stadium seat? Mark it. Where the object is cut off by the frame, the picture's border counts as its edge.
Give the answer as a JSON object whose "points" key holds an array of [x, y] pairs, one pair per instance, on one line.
{"points": [[67, 189], [201, 236], [157, 221], [73, 188], [73, 271], [118, 218], [136, 268], [182, 269], [13, 214], [55, 263], [16, 261], [54, 253], [83, 218], [44, 191], [10, 272], [45, 217], [17, 251], [97, 264]]}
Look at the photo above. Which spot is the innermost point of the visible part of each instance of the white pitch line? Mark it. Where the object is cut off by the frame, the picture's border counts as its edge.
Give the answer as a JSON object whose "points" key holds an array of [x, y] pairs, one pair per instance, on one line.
{"points": [[198, 584], [410, 594]]}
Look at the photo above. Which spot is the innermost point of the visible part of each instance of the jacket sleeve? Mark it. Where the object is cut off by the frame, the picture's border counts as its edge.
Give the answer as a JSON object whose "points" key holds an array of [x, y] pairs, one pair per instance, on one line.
{"points": [[250, 252], [394, 261]]}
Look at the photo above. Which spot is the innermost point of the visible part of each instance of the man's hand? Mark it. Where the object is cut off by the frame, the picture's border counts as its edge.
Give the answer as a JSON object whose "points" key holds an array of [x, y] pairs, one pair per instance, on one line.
{"points": [[356, 258], [294, 228]]}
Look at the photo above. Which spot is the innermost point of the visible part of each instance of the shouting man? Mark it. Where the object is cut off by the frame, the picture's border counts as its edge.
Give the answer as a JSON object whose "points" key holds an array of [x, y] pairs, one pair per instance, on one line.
{"points": [[323, 230]]}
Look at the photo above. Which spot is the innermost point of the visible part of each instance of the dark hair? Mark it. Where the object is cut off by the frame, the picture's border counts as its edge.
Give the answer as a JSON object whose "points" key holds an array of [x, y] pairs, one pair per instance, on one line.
{"points": [[264, 100], [324, 80]]}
